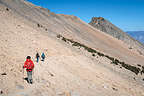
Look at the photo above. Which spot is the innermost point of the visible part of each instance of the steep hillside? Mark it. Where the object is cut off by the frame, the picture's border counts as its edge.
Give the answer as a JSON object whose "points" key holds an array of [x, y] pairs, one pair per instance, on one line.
{"points": [[80, 60], [138, 35], [107, 27]]}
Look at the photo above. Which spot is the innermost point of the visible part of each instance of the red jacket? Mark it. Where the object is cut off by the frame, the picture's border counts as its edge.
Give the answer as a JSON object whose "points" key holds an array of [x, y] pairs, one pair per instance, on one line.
{"points": [[29, 65]]}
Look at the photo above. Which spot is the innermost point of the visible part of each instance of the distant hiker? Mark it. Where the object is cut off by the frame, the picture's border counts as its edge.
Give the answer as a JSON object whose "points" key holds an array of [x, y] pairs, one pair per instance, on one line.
{"points": [[29, 65], [37, 57], [42, 57]]}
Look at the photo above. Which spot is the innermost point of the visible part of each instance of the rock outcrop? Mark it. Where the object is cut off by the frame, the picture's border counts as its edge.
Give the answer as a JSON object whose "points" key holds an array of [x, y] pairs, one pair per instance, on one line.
{"points": [[109, 28]]}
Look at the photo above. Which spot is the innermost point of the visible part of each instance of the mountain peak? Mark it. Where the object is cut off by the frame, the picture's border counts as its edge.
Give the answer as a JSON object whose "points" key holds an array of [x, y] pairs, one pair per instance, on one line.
{"points": [[98, 18], [107, 27]]}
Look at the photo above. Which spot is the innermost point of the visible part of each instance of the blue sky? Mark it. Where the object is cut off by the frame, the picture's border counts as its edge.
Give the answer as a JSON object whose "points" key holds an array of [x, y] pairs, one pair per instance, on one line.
{"points": [[126, 14]]}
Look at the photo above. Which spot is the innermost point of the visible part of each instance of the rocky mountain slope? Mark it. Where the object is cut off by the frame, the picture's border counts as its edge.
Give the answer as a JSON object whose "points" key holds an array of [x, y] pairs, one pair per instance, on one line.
{"points": [[138, 35], [80, 60], [107, 27]]}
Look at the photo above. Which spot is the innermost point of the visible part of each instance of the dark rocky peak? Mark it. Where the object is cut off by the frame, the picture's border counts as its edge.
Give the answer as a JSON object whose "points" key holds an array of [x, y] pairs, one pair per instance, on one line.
{"points": [[107, 27], [97, 21], [104, 25]]}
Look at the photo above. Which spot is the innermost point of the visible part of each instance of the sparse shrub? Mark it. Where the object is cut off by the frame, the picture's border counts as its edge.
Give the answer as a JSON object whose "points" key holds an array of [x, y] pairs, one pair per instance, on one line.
{"points": [[70, 40], [139, 65], [38, 25], [142, 71], [115, 89], [7, 9], [64, 39], [100, 54], [76, 44], [117, 61], [59, 36], [1, 92], [93, 55], [3, 74], [89, 49], [81, 45], [131, 68], [143, 67], [51, 74], [134, 78], [111, 58], [114, 61]]}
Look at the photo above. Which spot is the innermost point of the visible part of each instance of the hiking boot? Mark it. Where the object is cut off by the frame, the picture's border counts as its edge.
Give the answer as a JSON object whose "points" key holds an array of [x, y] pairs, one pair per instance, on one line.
{"points": [[31, 82]]}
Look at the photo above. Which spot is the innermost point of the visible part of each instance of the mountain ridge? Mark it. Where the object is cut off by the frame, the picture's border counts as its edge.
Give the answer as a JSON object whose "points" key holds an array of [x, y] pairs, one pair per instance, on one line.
{"points": [[138, 35], [107, 27]]}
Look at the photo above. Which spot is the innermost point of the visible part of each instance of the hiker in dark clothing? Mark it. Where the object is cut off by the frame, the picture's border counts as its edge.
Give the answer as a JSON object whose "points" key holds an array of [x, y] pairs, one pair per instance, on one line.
{"points": [[29, 65], [42, 57], [37, 57]]}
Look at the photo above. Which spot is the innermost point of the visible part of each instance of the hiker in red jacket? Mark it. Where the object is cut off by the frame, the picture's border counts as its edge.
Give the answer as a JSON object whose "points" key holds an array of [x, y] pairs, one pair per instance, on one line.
{"points": [[29, 65]]}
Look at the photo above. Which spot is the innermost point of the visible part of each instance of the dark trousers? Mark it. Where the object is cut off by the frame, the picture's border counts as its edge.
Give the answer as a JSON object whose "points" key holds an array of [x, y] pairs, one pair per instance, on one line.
{"points": [[37, 59], [29, 74]]}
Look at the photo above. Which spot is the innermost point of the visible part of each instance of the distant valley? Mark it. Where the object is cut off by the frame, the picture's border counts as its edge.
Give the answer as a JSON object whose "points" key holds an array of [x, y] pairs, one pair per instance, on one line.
{"points": [[138, 35]]}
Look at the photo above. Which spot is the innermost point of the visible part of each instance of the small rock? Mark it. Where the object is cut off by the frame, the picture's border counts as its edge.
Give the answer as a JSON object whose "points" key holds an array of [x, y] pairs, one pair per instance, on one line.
{"points": [[51, 74], [105, 87], [139, 65], [1, 92], [93, 54], [115, 89], [7, 9], [3, 74], [38, 25], [134, 78]]}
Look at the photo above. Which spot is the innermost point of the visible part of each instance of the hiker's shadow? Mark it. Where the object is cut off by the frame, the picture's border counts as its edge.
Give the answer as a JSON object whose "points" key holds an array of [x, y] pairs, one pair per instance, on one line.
{"points": [[26, 79]]}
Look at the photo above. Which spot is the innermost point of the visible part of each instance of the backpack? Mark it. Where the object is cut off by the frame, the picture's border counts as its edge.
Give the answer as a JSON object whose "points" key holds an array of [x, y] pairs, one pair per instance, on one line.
{"points": [[43, 56]]}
